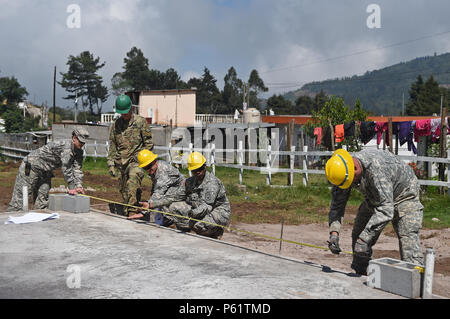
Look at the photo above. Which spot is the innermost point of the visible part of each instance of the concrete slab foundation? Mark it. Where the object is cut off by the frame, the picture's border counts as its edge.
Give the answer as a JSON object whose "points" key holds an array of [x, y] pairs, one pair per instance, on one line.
{"points": [[99, 255], [395, 276]]}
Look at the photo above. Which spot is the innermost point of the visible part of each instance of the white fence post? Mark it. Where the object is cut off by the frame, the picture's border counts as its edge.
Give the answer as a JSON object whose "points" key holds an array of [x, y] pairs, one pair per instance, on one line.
{"points": [[305, 167], [95, 151], [213, 155], [269, 175], [292, 165], [240, 160]]}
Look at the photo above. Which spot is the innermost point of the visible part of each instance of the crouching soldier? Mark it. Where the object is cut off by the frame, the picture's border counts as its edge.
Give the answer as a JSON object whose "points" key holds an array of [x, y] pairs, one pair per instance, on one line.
{"points": [[391, 194], [201, 197], [166, 181], [36, 170]]}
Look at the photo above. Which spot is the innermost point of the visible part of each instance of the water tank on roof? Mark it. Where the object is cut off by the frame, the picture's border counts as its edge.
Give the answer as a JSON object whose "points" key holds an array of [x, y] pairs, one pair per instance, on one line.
{"points": [[252, 115]]}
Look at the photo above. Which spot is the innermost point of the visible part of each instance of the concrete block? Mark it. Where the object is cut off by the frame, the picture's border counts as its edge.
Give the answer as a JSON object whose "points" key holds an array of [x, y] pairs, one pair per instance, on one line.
{"points": [[76, 204], [55, 201], [395, 276]]}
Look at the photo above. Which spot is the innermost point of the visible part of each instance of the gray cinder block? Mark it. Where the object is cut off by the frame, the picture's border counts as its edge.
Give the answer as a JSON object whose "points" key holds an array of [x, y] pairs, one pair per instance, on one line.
{"points": [[76, 204], [55, 201], [395, 276]]}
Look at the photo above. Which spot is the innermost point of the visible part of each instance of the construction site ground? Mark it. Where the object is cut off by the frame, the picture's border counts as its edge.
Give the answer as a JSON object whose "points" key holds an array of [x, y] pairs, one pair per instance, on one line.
{"points": [[128, 259]]}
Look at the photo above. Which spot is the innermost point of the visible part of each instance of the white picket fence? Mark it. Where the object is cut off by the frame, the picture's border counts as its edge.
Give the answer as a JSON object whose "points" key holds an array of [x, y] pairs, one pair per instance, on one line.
{"points": [[100, 150], [210, 153]]}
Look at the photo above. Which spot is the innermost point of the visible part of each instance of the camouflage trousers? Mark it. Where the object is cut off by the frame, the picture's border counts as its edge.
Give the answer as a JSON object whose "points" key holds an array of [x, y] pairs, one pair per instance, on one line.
{"points": [[130, 181], [407, 223], [184, 224], [38, 184]]}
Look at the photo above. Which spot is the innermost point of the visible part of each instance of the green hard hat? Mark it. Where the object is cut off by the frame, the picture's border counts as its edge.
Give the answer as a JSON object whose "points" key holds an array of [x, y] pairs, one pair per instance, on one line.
{"points": [[123, 104]]}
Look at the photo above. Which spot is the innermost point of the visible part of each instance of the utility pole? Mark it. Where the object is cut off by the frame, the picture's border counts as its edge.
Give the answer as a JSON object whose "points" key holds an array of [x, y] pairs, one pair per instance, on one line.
{"points": [[54, 101]]}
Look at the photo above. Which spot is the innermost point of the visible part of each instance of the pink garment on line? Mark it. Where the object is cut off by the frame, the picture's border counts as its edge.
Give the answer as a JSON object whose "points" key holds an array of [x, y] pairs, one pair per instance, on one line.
{"points": [[422, 128], [318, 132], [380, 127]]}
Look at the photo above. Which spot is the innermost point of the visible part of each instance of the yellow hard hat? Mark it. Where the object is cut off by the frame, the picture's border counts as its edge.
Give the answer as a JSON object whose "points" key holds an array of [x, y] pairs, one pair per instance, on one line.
{"points": [[195, 161], [340, 169], [145, 157]]}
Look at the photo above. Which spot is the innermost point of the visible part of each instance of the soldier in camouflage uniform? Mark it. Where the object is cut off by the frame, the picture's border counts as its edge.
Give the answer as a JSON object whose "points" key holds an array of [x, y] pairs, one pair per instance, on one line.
{"points": [[391, 194], [129, 134], [166, 181], [36, 170], [201, 197]]}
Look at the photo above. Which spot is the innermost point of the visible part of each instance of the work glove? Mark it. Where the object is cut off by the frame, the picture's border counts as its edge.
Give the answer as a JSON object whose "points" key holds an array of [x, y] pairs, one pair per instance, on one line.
{"points": [[362, 249], [112, 171], [333, 244]]}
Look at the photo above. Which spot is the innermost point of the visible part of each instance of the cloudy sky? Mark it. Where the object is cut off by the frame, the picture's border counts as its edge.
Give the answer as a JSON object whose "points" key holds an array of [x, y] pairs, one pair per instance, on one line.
{"points": [[290, 42]]}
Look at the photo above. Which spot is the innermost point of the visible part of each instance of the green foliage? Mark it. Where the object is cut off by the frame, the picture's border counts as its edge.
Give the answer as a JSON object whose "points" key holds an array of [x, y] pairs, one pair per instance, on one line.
{"points": [[16, 123], [425, 97], [336, 112], [381, 90], [82, 81], [11, 90]]}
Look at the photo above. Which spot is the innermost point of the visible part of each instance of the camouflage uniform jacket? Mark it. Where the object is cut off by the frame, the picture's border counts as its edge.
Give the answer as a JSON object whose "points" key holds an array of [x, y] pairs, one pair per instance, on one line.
{"points": [[127, 138], [208, 197], [55, 155], [388, 186], [165, 182]]}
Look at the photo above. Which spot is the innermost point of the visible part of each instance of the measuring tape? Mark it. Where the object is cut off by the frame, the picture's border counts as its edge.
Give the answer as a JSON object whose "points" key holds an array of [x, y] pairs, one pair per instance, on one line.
{"points": [[229, 228]]}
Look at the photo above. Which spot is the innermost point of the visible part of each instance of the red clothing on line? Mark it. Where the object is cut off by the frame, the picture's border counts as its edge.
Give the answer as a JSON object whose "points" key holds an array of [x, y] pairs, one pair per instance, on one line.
{"points": [[339, 133], [318, 132]]}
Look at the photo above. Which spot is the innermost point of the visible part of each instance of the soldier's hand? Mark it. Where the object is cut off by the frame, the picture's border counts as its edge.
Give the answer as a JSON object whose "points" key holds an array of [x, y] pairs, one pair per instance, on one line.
{"points": [[145, 205], [136, 216], [333, 243], [76, 191], [112, 171]]}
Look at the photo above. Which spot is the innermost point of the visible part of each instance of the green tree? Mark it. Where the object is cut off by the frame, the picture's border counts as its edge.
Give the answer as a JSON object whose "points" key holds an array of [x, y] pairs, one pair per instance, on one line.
{"points": [[11, 90], [336, 112], [82, 80], [120, 85], [232, 91], [209, 99], [280, 105], [13, 117], [424, 97], [255, 86], [304, 105], [136, 70]]}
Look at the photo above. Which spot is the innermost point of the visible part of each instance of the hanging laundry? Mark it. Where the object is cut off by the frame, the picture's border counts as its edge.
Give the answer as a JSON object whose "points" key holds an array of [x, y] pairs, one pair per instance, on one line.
{"points": [[381, 127], [318, 133], [339, 133], [405, 135], [367, 131], [349, 129], [435, 129], [422, 128], [326, 137]]}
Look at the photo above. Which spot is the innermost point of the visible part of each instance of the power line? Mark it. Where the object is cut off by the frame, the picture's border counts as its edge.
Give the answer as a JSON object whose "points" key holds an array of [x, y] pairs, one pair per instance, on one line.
{"points": [[355, 53]]}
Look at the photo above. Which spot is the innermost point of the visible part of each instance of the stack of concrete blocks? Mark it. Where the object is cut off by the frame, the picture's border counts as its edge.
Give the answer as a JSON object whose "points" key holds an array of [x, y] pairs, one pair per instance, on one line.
{"points": [[69, 203], [396, 276]]}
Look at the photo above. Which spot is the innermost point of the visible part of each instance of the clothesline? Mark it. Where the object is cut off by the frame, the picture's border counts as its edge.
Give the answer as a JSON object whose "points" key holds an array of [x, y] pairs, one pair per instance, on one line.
{"points": [[407, 131]]}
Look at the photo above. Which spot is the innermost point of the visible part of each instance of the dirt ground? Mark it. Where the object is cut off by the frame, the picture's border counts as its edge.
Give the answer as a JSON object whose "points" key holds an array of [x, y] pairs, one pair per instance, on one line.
{"points": [[309, 233]]}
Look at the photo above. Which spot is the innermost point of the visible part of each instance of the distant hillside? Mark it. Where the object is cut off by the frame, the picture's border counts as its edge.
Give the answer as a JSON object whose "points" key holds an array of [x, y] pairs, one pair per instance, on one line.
{"points": [[380, 91]]}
